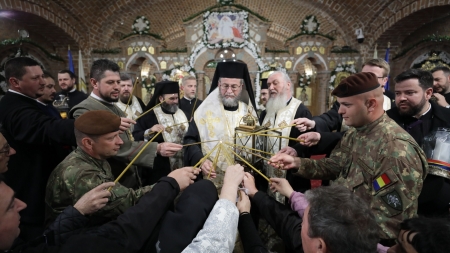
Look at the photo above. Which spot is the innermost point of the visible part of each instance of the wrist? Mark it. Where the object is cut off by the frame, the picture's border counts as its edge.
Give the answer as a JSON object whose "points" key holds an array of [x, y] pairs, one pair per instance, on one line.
{"points": [[243, 212], [297, 162], [78, 208], [158, 148]]}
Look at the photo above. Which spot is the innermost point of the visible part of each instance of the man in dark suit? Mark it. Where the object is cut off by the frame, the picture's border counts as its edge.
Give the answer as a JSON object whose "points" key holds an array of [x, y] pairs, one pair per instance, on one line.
{"points": [[66, 81], [35, 136], [187, 103], [45, 102]]}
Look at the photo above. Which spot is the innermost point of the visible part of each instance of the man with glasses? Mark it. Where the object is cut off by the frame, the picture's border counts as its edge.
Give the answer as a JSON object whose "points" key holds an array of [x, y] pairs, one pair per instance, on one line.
{"points": [[217, 117], [5, 152]]}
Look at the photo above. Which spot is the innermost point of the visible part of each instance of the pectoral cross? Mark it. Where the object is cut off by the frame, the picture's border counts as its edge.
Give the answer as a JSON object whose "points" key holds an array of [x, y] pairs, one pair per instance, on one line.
{"points": [[209, 120]]}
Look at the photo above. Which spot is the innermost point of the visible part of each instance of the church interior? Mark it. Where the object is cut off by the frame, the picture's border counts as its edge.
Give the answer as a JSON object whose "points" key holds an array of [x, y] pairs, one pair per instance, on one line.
{"points": [[316, 42]]}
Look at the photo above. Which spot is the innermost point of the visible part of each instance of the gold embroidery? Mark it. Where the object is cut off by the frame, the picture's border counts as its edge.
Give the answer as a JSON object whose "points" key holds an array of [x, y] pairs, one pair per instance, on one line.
{"points": [[169, 129], [268, 124], [209, 120], [183, 127], [282, 124]]}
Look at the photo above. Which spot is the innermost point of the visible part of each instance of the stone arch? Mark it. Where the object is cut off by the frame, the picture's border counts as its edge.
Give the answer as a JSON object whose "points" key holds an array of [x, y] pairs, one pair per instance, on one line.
{"points": [[50, 15], [133, 58], [316, 59], [400, 14]]}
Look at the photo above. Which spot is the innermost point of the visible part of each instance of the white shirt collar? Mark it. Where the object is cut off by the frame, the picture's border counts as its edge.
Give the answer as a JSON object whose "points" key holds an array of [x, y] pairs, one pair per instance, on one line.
{"points": [[187, 98], [73, 89], [13, 91], [99, 98], [37, 100]]}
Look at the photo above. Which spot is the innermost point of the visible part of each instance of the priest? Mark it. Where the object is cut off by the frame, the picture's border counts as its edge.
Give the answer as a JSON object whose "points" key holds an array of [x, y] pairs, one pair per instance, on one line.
{"points": [[131, 107], [189, 103], [217, 117], [169, 119]]}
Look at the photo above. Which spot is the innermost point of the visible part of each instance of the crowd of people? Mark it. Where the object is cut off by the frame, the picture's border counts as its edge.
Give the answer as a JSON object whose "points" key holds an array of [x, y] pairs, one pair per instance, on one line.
{"points": [[111, 174]]}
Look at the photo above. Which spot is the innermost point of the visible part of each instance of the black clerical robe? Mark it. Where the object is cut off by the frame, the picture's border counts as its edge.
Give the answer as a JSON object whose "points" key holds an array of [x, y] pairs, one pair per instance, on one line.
{"points": [[146, 122], [435, 195], [36, 137], [187, 106], [75, 97]]}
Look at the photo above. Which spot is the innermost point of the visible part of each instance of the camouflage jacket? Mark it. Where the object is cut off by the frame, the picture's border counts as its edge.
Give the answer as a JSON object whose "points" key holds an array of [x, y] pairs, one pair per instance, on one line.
{"points": [[382, 164], [78, 174]]}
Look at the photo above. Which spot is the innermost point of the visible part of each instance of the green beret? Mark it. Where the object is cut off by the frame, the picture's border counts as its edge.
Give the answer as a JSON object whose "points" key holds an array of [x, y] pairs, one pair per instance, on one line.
{"points": [[356, 84], [98, 122]]}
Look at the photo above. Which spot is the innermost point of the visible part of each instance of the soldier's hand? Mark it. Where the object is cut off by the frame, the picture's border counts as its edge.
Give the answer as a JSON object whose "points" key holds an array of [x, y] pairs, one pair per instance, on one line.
{"points": [[284, 161], [304, 124], [309, 139], [157, 128], [125, 124], [206, 167], [168, 149], [288, 150], [282, 186], [94, 200], [184, 176], [243, 203], [233, 177], [249, 184], [440, 99]]}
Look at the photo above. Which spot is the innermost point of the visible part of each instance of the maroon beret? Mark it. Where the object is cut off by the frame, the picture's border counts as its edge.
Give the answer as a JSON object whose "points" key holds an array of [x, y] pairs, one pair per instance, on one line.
{"points": [[98, 122], [356, 84]]}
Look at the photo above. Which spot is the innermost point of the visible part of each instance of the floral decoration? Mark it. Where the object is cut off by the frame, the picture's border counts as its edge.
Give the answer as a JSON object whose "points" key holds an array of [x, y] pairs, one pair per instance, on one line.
{"points": [[310, 25], [340, 68], [304, 81], [141, 25]]}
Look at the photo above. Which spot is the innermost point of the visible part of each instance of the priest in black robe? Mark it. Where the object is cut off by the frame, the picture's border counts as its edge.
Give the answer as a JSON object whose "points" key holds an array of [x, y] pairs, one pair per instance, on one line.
{"points": [[66, 81], [189, 103], [169, 119], [35, 136]]}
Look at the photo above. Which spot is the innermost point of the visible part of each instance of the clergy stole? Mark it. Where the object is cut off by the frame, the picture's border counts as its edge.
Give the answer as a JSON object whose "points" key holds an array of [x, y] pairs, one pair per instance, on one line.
{"points": [[281, 119], [173, 132], [133, 110], [216, 123]]}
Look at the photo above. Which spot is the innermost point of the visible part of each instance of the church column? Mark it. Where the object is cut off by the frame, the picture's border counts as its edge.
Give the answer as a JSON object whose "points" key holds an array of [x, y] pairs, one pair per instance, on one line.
{"points": [[323, 81], [200, 84], [293, 75]]}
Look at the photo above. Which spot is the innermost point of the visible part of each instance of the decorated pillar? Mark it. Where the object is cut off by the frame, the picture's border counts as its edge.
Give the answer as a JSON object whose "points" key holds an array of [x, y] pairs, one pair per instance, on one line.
{"points": [[323, 94]]}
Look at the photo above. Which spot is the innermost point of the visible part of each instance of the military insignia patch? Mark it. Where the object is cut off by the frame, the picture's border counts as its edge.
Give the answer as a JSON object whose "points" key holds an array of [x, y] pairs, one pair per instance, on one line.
{"points": [[381, 182], [393, 200], [282, 124]]}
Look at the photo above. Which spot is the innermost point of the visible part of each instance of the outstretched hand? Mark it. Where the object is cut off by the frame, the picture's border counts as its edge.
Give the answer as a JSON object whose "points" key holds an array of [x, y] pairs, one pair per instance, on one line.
{"points": [[95, 199]]}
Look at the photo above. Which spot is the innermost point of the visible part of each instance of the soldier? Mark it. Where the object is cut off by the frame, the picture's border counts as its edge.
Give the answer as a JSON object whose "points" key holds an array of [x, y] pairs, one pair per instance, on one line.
{"points": [[376, 159], [97, 134]]}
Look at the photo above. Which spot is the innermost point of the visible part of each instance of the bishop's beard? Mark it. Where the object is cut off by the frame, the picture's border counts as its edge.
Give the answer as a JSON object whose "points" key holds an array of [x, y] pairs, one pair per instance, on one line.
{"points": [[230, 102], [170, 108], [275, 104]]}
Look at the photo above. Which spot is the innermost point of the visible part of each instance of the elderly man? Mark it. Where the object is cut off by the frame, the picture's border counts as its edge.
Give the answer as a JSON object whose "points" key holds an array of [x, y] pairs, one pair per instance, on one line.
{"points": [[66, 81], [135, 107], [105, 79], [441, 85], [282, 108], [36, 137], [187, 103], [167, 119], [420, 116], [218, 116], [376, 159]]}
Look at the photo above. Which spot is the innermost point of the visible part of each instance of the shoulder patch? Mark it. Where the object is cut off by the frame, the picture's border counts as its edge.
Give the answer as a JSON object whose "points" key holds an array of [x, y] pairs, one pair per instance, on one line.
{"points": [[393, 200], [380, 182]]}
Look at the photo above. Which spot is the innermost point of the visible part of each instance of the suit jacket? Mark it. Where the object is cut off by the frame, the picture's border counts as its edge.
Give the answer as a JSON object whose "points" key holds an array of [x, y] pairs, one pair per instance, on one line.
{"points": [[37, 138]]}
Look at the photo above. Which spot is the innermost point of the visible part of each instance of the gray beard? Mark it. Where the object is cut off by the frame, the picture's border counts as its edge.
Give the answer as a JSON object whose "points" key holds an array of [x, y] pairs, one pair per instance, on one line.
{"points": [[170, 108], [230, 102], [275, 104]]}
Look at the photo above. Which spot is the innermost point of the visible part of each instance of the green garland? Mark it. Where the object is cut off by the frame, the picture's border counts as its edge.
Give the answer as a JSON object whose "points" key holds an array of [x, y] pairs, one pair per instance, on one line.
{"points": [[177, 50], [230, 4], [306, 34], [430, 38], [149, 85], [117, 50], [276, 51], [9, 42], [344, 51], [154, 35]]}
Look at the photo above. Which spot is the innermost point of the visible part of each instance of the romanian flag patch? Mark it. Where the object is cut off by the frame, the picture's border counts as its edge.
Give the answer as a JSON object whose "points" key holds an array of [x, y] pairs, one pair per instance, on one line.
{"points": [[381, 182]]}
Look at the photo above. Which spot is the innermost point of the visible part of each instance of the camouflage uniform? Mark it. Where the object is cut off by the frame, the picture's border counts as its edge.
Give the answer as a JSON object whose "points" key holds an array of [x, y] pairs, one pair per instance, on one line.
{"points": [[78, 174], [382, 164]]}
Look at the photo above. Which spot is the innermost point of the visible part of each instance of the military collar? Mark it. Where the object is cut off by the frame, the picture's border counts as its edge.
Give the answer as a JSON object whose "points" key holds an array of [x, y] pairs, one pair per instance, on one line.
{"points": [[98, 162], [369, 127]]}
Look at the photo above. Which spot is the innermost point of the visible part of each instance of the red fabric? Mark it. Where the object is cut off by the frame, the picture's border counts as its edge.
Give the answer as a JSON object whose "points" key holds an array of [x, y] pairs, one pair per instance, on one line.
{"points": [[316, 183], [236, 33]]}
